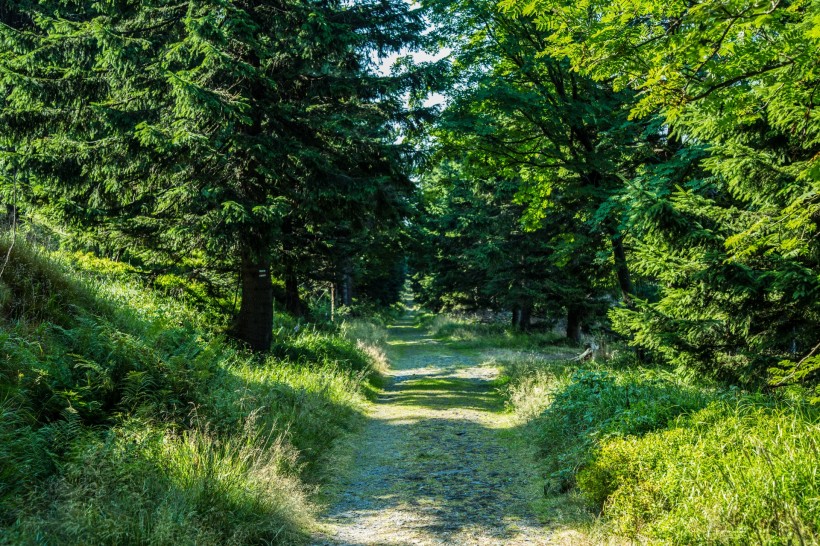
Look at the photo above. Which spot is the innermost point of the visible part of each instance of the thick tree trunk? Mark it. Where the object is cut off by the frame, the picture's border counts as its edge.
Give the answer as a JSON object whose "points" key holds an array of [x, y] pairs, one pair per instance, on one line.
{"points": [[621, 269], [254, 323], [574, 324], [515, 313], [524, 317]]}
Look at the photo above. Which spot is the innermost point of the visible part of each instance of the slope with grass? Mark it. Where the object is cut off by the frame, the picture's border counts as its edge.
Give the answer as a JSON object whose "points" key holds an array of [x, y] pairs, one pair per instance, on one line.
{"points": [[669, 459], [125, 418]]}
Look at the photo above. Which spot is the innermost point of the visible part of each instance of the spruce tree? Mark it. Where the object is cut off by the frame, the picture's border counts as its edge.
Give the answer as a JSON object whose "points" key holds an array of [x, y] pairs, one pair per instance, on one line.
{"points": [[218, 129], [728, 224], [565, 137]]}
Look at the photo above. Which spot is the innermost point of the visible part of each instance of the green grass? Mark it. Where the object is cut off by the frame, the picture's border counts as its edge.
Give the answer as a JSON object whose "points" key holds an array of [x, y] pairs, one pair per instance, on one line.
{"points": [[471, 334], [124, 417], [736, 472], [667, 459]]}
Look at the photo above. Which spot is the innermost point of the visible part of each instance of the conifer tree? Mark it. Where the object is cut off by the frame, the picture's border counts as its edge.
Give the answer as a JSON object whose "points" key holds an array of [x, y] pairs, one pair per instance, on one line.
{"points": [[480, 256], [728, 223], [216, 128], [565, 137]]}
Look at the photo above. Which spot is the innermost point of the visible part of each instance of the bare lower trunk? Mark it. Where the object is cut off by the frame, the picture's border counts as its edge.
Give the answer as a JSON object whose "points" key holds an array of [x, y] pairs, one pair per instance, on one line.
{"points": [[515, 312], [347, 289], [622, 270], [293, 304], [574, 324], [254, 323], [524, 317], [332, 301]]}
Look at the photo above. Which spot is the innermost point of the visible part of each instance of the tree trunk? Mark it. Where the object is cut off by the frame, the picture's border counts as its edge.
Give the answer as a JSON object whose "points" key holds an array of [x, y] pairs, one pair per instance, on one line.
{"points": [[254, 323], [332, 301], [524, 317], [574, 324], [515, 317], [347, 288], [293, 304], [621, 269]]}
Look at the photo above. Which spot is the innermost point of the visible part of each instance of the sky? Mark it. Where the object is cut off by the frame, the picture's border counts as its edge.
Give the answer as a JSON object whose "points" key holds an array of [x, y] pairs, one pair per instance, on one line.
{"points": [[419, 57]]}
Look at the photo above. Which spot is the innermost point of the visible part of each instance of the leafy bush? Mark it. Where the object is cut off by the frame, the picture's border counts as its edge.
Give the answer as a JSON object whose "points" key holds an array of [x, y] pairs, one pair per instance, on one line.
{"points": [[670, 459], [595, 404]]}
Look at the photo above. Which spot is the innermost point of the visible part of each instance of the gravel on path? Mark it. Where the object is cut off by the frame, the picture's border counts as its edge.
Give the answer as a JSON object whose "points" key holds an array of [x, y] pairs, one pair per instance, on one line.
{"points": [[435, 463]]}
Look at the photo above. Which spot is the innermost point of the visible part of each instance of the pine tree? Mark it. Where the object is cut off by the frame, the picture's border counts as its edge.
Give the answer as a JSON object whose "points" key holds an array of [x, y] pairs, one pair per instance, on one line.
{"points": [[728, 224], [565, 137], [218, 128]]}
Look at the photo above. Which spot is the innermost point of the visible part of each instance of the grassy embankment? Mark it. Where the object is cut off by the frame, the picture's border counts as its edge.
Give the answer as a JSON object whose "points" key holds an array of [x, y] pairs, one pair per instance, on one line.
{"points": [[125, 418], [661, 456]]}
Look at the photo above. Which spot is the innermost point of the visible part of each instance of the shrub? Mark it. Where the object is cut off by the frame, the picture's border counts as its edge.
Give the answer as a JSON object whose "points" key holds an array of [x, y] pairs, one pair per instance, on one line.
{"points": [[670, 459], [595, 404]]}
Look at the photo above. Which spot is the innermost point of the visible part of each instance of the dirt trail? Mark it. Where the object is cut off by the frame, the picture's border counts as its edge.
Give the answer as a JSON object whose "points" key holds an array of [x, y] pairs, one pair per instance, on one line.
{"points": [[435, 464]]}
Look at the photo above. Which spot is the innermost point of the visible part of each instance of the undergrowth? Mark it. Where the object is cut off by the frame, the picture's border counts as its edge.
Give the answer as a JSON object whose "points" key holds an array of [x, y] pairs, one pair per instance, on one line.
{"points": [[671, 459], [124, 417], [471, 333]]}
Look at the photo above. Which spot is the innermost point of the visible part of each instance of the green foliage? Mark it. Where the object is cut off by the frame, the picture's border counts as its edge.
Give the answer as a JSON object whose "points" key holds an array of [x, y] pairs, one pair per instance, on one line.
{"points": [[213, 136], [147, 485], [310, 347], [524, 196], [722, 223], [734, 472], [473, 334], [477, 254], [122, 415], [667, 459], [596, 404], [363, 331]]}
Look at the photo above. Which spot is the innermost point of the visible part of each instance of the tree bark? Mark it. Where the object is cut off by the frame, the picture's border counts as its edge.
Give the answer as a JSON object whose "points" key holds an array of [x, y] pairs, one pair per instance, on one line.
{"points": [[293, 304], [347, 288], [332, 302], [254, 323], [524, 317], [574, 324], [515, 313], [621, 269]]}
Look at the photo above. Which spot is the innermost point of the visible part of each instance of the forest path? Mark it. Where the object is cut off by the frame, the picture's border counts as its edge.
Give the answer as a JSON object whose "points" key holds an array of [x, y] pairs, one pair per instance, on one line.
{"points": [[438, 462]]}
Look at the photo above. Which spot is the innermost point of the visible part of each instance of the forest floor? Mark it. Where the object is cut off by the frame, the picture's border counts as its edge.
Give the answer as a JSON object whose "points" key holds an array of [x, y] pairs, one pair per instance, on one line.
{"points": [[439, 461]]}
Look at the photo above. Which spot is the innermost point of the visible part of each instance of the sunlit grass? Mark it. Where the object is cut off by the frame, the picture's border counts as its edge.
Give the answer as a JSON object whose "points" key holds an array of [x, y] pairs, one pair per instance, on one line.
{"points": [[470, 333], [125, 418], [668, 459]]}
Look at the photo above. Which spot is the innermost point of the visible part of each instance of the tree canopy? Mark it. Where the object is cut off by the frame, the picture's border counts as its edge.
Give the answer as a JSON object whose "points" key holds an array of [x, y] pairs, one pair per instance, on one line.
{"points": [[253, 136], [635, 169]]}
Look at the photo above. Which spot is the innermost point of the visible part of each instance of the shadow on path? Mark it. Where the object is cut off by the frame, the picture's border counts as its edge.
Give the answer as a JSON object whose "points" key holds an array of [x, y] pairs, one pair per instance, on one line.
{"points": [[433, 465]]}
